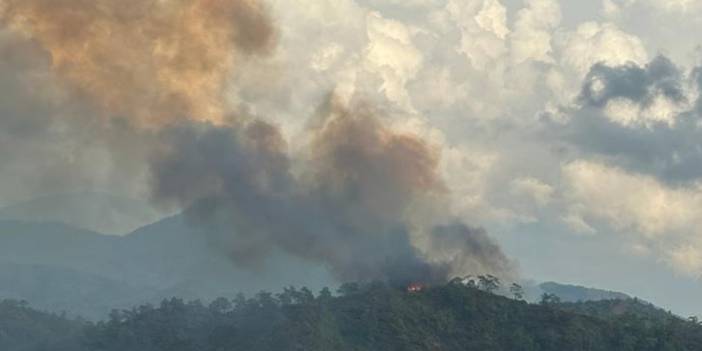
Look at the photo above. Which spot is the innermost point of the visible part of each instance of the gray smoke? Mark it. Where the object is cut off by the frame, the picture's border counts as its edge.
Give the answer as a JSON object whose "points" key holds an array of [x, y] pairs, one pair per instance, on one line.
{"points": [[144, 83], [349, 209]]}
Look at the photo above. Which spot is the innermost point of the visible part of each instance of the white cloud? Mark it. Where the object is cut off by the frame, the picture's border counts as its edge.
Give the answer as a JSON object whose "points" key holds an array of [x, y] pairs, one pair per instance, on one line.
{"points": [[686, 259], [533, 30], [631, 202], [669, 218], [680, 6], [536, 190], [392, 55], [615, 7], [473, 77], [593, 42], [577, 224], [630, 114], [483, 27]]}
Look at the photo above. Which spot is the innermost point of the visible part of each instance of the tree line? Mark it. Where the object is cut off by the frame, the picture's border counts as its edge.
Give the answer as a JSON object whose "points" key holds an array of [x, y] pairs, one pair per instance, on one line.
{"points": [[376, 316]]}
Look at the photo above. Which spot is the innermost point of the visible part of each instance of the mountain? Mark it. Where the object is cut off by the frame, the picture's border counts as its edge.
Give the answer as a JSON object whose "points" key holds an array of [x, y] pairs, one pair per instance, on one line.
{"points": [[94, 211], [59, 267], [66, 290], [371, 317], [575, 293]]}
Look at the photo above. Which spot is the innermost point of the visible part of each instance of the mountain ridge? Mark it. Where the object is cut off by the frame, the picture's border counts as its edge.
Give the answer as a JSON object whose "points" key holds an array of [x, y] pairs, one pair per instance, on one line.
{"points": [[361, 317]]}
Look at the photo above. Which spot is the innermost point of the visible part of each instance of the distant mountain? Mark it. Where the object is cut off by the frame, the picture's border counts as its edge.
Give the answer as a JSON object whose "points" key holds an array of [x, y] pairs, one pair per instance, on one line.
{"points": [[95, 211], [58, 267], [575, 293], [617, 308], [65, 290], [362, 317]]}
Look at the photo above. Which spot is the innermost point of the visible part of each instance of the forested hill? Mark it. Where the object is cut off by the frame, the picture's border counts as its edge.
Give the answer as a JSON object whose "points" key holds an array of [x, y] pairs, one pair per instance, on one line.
{"points": [[23, 328], [378, 317]]}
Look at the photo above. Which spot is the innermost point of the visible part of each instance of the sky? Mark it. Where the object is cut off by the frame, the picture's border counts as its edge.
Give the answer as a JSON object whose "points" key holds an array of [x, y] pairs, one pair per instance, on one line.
{"points": [[570, 130]]}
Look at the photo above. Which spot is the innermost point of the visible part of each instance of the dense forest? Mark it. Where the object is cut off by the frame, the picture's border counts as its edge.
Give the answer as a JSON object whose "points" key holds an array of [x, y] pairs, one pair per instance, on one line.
{"points": [[359, 317]]}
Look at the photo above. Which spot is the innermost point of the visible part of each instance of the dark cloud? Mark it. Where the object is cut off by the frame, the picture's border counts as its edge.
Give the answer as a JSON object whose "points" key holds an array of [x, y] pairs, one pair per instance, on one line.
{"points": [[671, 152], [639, 84], [697, 75]]}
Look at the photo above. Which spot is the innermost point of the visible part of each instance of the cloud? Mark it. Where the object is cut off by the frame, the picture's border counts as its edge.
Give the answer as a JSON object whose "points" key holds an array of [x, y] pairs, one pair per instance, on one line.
{"points": [[675, 6], [391, 53], [642, 118], [533, 29], [687, 259], [593, 42], [628, 201], [457, 91], [604, 196], [483, 29], [533, 189], [632, 82], [648, 94]]}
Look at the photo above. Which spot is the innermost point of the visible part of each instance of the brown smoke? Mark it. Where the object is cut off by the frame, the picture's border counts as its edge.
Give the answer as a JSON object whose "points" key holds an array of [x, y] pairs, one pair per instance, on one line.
{"points": [[350, 206], [151, 60], [380, 170]]}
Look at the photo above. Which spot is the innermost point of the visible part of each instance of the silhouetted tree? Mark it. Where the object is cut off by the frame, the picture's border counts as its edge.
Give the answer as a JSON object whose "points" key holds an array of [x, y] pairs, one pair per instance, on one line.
{"points": [[488, 283], [517, 291], [550, 299]]}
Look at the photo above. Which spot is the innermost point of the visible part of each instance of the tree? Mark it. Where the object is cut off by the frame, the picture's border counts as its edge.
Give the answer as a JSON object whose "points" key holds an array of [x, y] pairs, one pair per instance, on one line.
{"points": [[347, 289], [469, 281], [220, 305], [325, 294], [550, 299], [517, 291], [488, 283], [456, 281]]}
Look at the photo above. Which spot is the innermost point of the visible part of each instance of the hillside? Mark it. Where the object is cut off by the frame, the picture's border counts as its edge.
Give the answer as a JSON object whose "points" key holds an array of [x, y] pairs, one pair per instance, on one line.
{"points": [[24, 329], [66, 290], [58, 267], [94, 211], [380, 317]]}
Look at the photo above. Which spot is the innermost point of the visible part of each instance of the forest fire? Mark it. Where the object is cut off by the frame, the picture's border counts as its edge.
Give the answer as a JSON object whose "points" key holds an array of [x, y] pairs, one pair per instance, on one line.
{"points": [[415, 288]]}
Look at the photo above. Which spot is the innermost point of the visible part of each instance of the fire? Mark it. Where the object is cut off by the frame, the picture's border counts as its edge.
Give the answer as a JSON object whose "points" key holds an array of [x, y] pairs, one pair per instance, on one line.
{"points": [[415, 288]]}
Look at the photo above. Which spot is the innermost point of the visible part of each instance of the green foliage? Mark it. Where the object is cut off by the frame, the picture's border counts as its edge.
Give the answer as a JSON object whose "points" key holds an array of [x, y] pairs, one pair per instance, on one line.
{"points": [[365, 317], [23, 329], [517, 291]]}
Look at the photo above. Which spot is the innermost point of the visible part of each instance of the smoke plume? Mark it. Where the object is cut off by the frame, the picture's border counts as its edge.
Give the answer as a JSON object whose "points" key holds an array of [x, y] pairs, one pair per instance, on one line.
{"points": [[150, 60], [351, 208], [361, 199]]}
